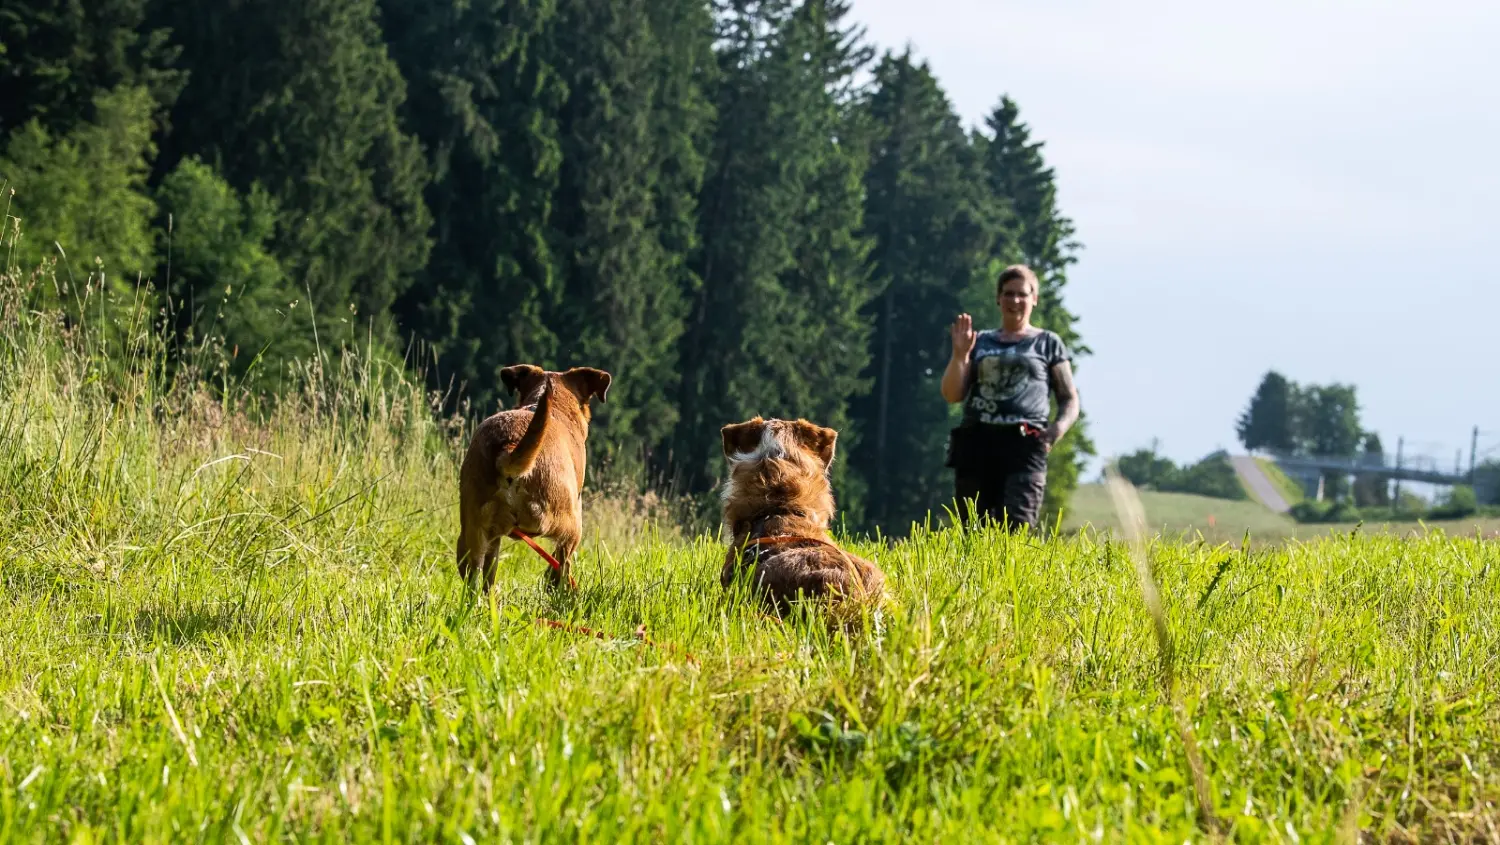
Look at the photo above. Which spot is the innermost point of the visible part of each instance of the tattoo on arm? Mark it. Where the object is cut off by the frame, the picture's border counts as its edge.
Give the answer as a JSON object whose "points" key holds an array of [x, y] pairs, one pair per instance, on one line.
{"points": [[1067, 397]]}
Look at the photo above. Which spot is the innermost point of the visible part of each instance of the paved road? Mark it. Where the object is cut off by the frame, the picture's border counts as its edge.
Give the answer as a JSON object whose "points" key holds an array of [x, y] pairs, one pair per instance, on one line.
{"points": [[1260, 486]]}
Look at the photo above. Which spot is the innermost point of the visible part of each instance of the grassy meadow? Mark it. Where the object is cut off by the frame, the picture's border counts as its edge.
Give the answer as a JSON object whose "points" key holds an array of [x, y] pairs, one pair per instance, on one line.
{"points": [[1189, 518], [232, 622]]}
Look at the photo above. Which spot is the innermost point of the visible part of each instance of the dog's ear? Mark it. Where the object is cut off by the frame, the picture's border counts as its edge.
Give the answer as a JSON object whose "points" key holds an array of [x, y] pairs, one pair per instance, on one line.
{"points": [[521, 378], [587, 382], [816, 439], [742, 438]]}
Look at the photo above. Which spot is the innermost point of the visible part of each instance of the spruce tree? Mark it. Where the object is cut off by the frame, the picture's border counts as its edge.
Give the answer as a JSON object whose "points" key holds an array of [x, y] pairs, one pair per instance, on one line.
{"points": [[58, 56], [303, 99], [484, 102], [934, 228], [86, 86], [1041, 237], [775, 328], [1267, 423], [632, 133]]}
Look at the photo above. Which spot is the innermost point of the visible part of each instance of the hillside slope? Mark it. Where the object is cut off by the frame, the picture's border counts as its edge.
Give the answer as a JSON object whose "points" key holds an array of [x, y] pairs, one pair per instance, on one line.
{"points": [[1258, 484], [1221, 520]]}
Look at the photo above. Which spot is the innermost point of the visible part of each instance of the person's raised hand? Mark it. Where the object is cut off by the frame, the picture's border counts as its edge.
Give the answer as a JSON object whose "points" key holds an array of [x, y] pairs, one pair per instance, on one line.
{"points": [[963, 336]]}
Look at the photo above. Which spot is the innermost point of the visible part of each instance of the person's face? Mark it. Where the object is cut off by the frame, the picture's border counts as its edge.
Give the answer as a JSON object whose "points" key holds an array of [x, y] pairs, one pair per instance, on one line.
{"points": [[1016, 300]]}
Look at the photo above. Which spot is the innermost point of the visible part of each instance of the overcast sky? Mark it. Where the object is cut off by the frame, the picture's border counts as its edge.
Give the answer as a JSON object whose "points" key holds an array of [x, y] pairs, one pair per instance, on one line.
{"points": [[1303, 185]]}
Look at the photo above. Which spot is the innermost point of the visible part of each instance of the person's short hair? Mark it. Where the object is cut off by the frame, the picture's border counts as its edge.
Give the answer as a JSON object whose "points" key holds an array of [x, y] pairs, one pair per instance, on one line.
{"points": [[1017, 271]]}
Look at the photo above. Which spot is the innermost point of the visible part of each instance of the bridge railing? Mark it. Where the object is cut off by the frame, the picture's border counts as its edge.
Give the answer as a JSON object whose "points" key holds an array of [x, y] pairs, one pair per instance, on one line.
{"points": [[1367, 463]]}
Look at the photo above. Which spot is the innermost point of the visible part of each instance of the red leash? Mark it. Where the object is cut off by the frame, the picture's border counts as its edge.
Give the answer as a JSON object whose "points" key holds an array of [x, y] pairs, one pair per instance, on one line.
{"points": [[551, 561], [640, 633]]}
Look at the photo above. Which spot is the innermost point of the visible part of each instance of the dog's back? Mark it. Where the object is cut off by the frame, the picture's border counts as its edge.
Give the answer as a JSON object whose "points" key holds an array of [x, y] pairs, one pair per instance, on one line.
{"points": [[778, 504], [783, 574], [482, 478]]}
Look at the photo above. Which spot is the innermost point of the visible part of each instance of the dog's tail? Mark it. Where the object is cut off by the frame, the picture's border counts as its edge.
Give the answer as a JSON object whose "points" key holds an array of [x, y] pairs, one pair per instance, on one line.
{"points": [[523, 457]]}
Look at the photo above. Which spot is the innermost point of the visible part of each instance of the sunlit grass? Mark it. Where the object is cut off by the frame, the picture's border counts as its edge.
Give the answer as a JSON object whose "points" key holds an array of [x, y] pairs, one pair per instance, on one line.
{"points": [[225, 625]]}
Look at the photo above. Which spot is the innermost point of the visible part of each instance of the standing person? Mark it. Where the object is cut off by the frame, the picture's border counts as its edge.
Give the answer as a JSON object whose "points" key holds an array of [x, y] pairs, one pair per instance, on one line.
{"points": [[1004, 378]]}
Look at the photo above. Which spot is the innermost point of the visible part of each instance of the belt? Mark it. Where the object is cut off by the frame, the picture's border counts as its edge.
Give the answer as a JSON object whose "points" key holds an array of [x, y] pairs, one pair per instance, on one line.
{"points": [[1024, 428]]}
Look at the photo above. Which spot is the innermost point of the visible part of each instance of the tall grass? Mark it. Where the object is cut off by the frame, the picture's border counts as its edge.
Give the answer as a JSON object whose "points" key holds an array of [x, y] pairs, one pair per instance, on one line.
{"points": [[229, 619]]}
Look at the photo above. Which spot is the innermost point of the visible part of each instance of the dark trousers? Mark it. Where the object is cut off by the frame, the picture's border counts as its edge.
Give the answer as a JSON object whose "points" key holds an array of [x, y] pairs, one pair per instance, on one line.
{"points": [[1000, 473]]}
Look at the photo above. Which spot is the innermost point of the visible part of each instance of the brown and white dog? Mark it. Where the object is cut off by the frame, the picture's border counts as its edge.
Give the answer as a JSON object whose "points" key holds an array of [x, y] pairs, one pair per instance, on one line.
{"points": [[524, 469], [778, 503]]}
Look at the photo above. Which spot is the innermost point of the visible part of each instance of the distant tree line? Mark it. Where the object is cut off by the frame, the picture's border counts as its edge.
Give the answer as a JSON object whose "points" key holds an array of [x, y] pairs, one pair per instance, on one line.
{"points": [[1212, 476], [735, 206], [1286, 417]]}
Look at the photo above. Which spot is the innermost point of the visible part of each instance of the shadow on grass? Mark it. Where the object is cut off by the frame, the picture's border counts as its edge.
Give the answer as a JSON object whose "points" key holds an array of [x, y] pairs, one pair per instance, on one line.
{"points": [[35, 583], [188, 625]]}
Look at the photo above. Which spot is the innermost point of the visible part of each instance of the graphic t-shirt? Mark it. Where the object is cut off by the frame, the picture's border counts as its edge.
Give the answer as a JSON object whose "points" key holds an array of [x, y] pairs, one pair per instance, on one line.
{"points": [[1008, 382]]}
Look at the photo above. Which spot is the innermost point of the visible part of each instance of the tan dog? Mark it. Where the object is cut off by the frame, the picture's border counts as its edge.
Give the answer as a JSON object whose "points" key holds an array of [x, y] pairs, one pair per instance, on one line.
{"points": [[778, 504], [524, 468]]}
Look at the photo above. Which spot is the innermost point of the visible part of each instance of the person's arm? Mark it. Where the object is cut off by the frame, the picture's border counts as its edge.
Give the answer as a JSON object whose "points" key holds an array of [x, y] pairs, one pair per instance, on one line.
{"points": [[956, 376], [1067, 401]]}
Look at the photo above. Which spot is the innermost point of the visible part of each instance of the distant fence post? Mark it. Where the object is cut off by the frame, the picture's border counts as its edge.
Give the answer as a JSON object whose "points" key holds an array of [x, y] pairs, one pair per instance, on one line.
{"points": [[1473, 453], [1400, 448]]}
